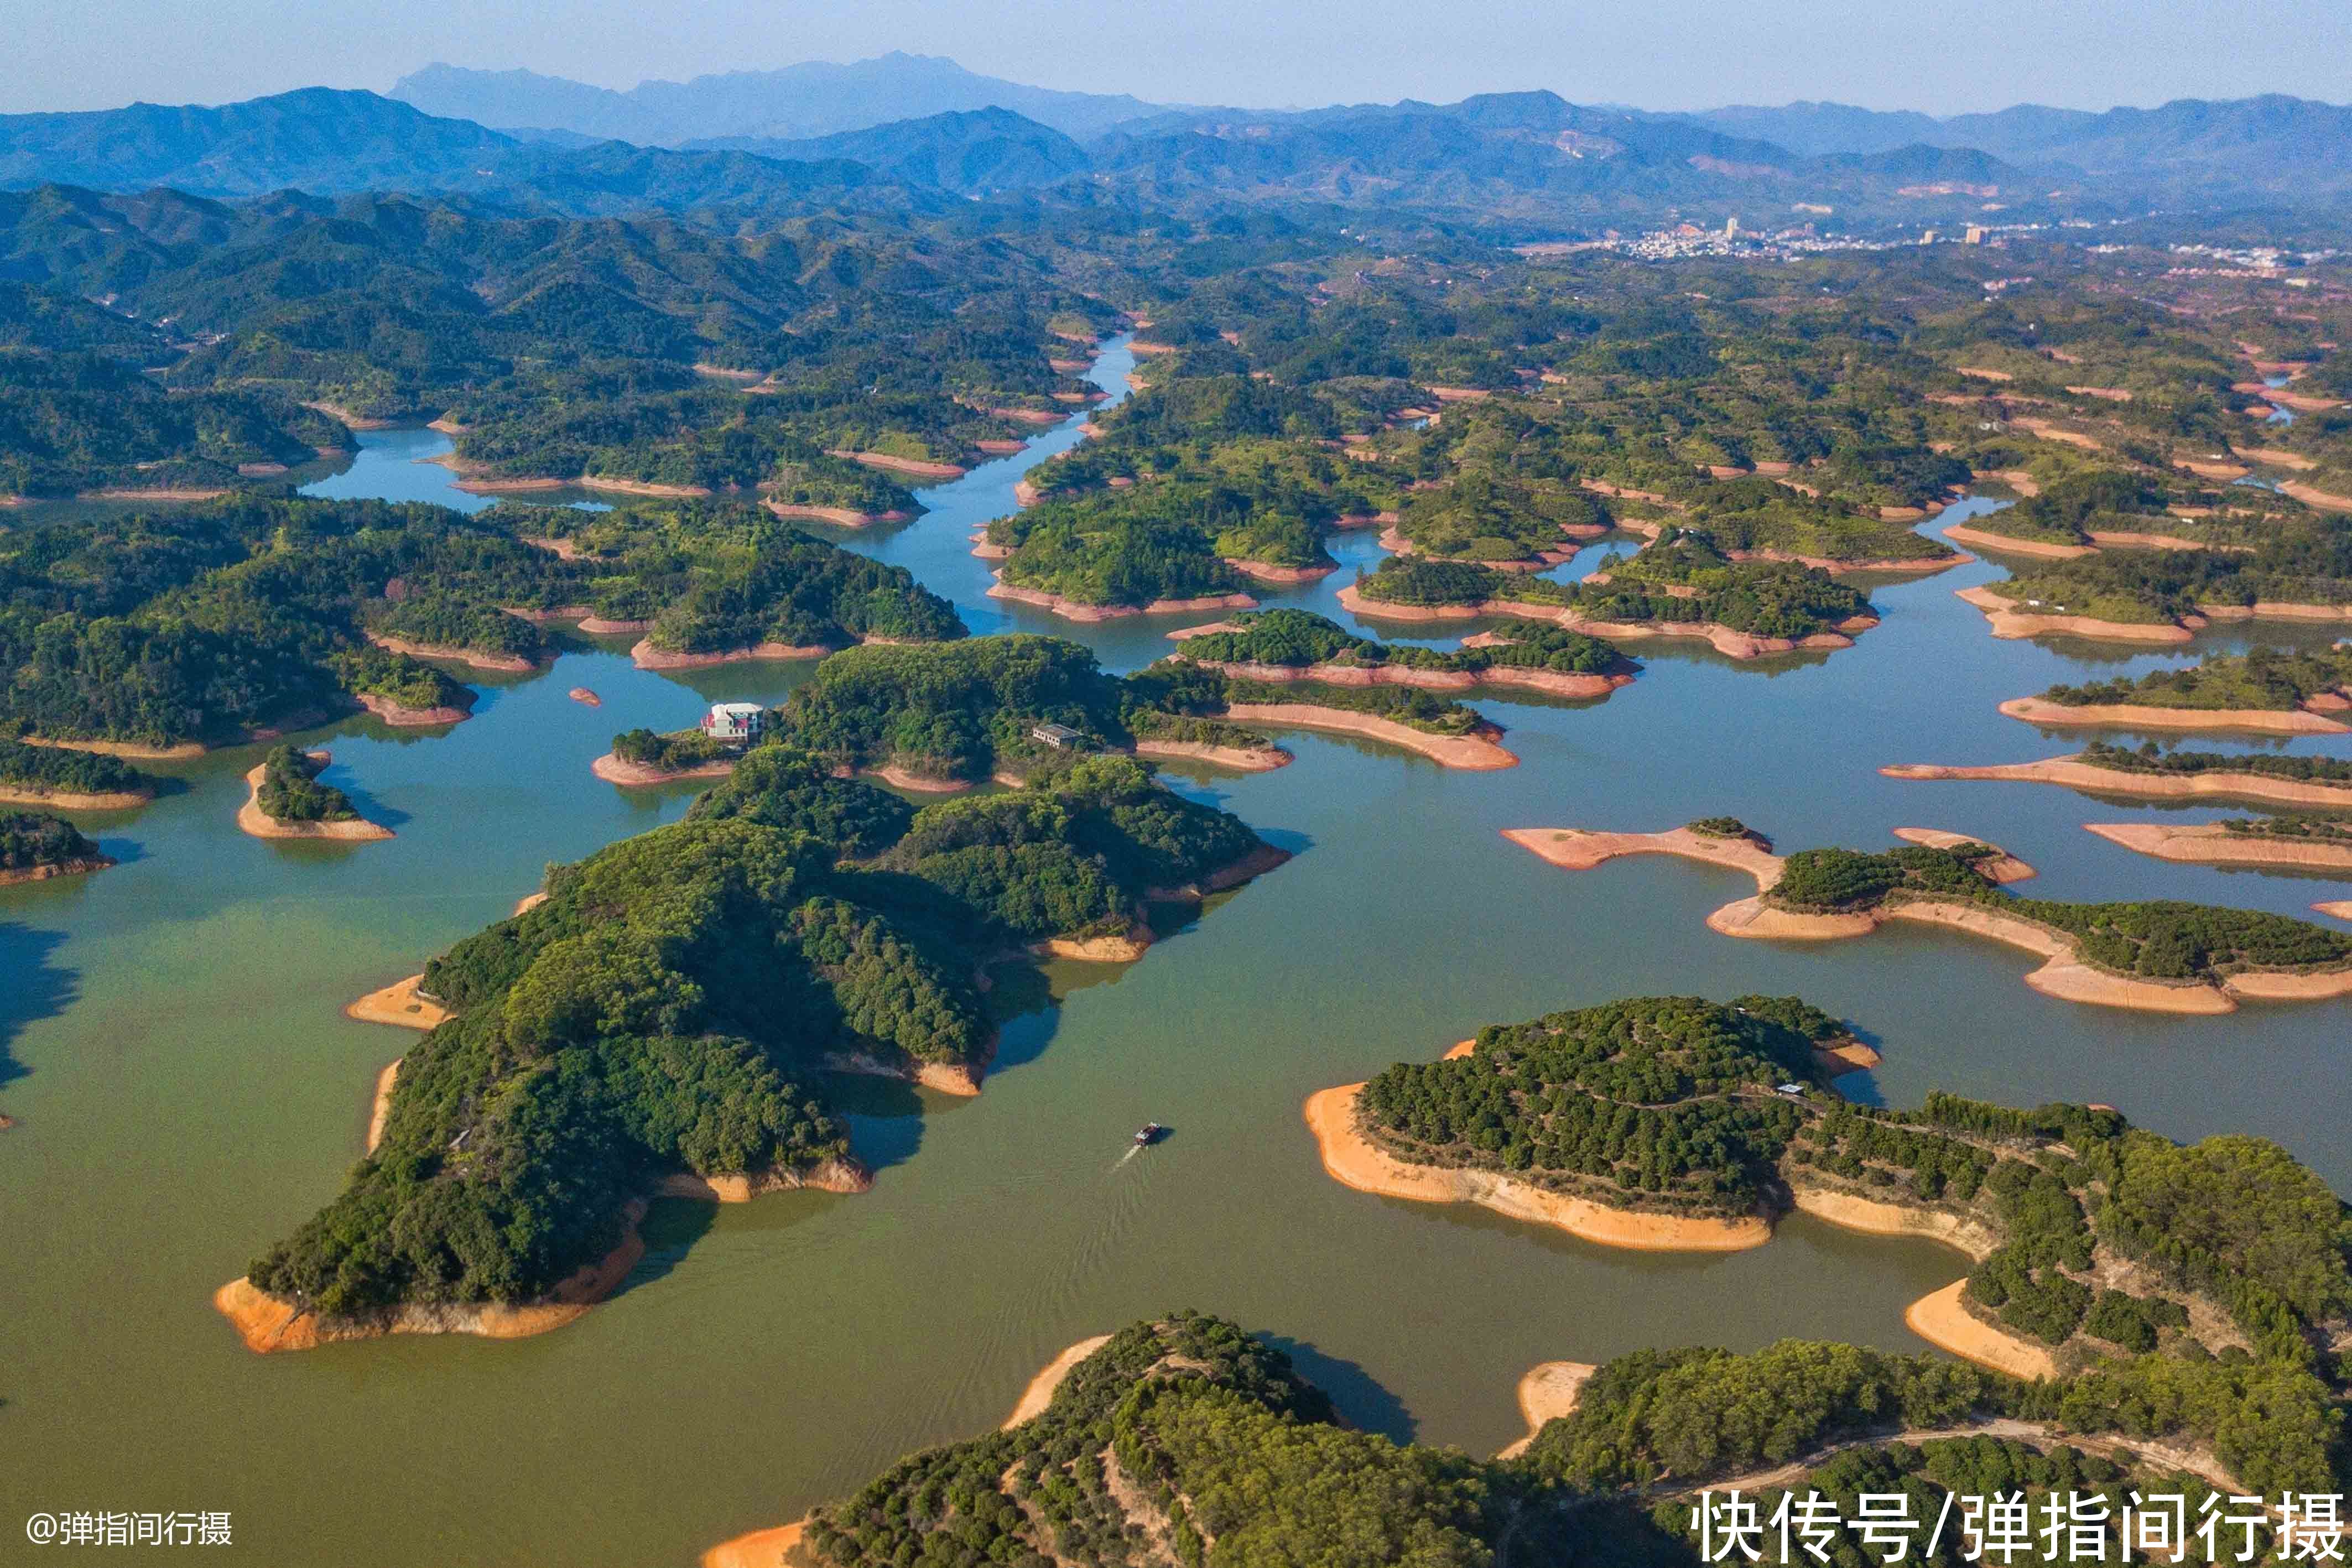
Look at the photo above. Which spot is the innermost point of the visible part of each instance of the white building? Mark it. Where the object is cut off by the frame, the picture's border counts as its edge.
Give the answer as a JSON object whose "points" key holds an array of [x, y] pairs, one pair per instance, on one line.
{"points": [[734, 721]]}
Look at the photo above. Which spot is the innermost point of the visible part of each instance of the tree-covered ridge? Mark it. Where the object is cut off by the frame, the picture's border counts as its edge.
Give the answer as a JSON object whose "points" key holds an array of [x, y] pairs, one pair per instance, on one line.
{"points": [[2147, 757], [1121, 548], [290, 790], [207, 622], [399, 679], [716, 575], [31, 841], [668, 1007], [1666, 1103], [62, 770], [1186, 1441], [1683, 577], [2305, 561], [2262, 679], [76, 421], [1763, 516], [2156, 940], [1483, 515], [1297, 638]]}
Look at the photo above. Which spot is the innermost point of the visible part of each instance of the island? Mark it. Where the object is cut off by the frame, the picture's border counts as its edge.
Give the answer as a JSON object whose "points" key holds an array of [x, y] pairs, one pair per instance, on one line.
{"points": [[660, 1022], [1684, 1123], [2156, 957], [1189, 1433], [1284, 647], [71, 779], [2167, 595], [2100, 769], [2265, 689], [285, 800], [35, 846], [1681, 587], [641, 757], [2286, 843]]}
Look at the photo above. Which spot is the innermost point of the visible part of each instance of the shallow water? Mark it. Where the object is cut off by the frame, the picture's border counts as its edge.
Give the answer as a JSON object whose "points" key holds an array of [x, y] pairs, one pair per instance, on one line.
{"points": [[186, 1090]]}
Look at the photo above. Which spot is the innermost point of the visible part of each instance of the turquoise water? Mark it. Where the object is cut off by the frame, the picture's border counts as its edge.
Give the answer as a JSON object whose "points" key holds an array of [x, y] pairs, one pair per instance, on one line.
{"points": [[186, 1090]]}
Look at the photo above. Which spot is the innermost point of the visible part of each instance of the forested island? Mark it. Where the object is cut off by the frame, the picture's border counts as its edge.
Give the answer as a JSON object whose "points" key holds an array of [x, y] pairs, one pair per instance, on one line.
{"points": [[71, 780], [1190, 1440], [2293, 692], [2160, 956], [288, 801], [35, 846], [1682, 586], [212, 624], [2287, 842], [89, 424], [2103, 768], [1288, 647], [2293, 569], [661, 1022]]}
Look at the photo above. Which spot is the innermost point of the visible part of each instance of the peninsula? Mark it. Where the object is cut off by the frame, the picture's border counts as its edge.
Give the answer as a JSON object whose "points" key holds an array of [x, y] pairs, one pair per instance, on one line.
{"points": [[2265, 690], [71, 779], [2158, 957], [2100, 769]]}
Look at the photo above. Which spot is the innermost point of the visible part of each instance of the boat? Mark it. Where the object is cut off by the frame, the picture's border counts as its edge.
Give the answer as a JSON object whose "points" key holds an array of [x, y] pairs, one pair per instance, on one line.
{"points": [[1148, 1135]]}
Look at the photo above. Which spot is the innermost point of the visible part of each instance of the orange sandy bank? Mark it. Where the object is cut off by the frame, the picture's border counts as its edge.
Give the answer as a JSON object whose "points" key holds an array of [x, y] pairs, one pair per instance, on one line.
{"points": [[1469, 752], [760, 1548], [1258, 760], [1874, 1216], [646, 656], [380, 1111], [182, 752], [1263, 572], [399, 1004], [2135, 715], [1071, 610], [1040, 1391], [2062, 974], [2313, 496], [2078, 775], [614, 770], [2002, 543], [2003, 867], [1732, 644], [839, 517], [1105, 949], [1547, 1393], [400, 718], [269, 1323], [56, 869], [2337, 909], [253, 820], [916, 468], [2009, 622], [1552, 683], [2209, 843], [1353, 1160], [949, 1078], [1944, 1321], [582, 694], [511, 664], [72, 801]]}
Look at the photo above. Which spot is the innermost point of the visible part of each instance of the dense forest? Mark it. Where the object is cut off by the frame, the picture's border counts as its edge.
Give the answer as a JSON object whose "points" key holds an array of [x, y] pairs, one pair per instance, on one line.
{"points": [[34, 843], [290, 790], [209, 622], [60, 770], [2260, 679], [2156, 939], [671, 1004], [1297, 638], [2148, 758]]}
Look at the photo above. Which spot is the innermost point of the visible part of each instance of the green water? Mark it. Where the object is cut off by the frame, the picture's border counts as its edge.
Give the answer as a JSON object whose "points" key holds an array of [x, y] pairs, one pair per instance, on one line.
{"points": [[186, 1090]]}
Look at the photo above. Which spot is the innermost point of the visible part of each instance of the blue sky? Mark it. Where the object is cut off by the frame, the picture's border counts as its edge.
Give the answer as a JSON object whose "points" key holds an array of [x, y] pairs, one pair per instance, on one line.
{"points": [[1943, 57]]}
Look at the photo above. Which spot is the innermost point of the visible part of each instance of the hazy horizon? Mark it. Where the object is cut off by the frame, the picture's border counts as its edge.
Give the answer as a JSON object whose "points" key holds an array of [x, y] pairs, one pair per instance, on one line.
{"points": [[1972, 56]]}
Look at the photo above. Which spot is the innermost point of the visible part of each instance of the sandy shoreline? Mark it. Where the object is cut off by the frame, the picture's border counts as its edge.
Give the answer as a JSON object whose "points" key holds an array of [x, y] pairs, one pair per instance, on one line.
{"points": [[381, 1112], [1547, 1393], [70, 800], [916, 468], [1353, 1160], [2077, 774], [132, 750], [2136, 715], [1040, 1391], [398, 1004], [56, 869], [646, 656], [400, 718], [507, 664], [759, 1549], [2209, 843], [1263, 759], [1552, 683], [1732, 644], [2008, 622], [253, 820], [1071, 610], [839, 517], [614, 770], [1469, 752], [1944, 1321]]}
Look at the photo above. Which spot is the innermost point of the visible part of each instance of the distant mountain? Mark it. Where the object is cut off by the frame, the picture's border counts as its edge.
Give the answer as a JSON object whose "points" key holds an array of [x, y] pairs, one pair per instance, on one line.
{"points": [[2274, 146], [794, 103], [968, 151], [332, 142]]}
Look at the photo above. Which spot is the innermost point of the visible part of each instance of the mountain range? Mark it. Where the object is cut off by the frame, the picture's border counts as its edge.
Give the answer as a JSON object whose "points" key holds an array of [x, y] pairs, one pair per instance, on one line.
{"points": [[796, 103], [807, 138]]}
